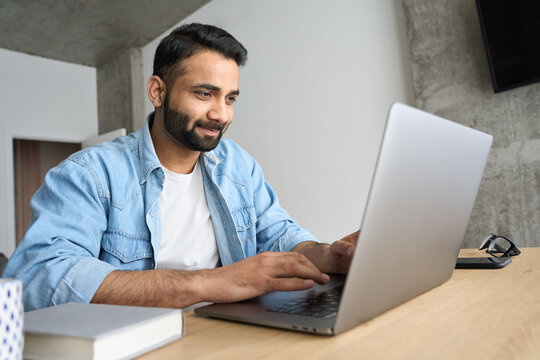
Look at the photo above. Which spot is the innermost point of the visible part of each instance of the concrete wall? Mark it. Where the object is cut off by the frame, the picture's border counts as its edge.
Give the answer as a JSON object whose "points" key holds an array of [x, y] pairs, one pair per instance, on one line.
{"points": [[451, 79], [121, 92], [40, 99], [315, 93]]}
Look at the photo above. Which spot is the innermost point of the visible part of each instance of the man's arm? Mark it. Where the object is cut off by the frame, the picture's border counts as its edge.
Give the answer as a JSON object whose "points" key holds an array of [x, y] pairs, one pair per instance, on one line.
{"points": [[253, 276], [57, 260]]}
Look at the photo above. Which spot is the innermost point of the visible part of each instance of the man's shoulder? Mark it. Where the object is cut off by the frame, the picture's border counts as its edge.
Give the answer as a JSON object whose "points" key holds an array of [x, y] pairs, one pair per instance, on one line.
{"points": [[108, 161], [122, 148], [113, 169]]}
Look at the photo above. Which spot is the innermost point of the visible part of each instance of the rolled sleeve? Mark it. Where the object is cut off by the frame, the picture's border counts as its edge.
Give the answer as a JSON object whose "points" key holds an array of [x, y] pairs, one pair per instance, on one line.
{"points": [[288, 241], [82, 281]]}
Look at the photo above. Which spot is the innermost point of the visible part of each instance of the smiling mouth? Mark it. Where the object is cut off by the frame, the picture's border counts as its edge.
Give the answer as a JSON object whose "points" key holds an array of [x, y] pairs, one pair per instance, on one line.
{"points": [[208, 131]]}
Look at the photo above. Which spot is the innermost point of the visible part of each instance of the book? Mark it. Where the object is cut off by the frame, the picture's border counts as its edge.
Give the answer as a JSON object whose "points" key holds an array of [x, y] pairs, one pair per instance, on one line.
{"points": [[98, 331]]}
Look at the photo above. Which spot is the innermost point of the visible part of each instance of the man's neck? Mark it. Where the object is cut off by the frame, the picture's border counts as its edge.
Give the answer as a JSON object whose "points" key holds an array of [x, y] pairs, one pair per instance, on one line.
{"points": [[171, 154]]}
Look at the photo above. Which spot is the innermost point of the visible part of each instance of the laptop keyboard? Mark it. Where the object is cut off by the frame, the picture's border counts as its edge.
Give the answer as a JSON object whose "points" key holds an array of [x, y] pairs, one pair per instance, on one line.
{"points": [[322, 305]]}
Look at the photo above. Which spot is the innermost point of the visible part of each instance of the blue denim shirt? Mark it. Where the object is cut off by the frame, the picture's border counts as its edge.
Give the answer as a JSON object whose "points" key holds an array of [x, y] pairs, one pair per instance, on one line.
{"points": [[98, 211]]}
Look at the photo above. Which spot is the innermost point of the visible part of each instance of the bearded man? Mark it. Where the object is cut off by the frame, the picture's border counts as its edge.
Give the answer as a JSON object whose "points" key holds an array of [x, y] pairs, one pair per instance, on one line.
{"points": [[170, 215]]}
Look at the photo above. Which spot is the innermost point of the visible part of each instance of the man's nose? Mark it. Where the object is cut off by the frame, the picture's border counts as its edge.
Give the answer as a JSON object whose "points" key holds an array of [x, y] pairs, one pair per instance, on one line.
{"points": [[220, 112]]}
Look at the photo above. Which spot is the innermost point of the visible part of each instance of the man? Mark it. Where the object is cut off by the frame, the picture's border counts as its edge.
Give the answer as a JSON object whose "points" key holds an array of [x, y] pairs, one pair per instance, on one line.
{"points": [[170, 215]]}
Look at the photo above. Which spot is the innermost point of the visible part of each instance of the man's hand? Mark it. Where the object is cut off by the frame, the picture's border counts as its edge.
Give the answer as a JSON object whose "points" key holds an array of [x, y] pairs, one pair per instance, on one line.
{"points": [[330, 259], [262, 273]]}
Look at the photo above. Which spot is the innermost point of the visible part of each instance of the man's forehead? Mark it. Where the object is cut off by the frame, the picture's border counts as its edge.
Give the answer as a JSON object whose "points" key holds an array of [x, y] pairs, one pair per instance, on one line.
{"points": [[209, 67]]}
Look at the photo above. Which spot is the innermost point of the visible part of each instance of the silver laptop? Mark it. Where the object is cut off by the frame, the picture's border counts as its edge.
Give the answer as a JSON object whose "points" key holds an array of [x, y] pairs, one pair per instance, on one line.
{"points": [[425, 183]]}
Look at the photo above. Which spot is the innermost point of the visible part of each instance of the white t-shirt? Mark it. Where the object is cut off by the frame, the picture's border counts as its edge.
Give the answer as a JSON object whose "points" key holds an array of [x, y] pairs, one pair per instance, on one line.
{"points": [[188, 241]]}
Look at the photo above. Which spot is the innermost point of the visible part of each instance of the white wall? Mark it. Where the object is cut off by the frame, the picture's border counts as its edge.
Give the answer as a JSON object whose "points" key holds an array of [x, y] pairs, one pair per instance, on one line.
{"points": [[40, 99], [315, 92]]}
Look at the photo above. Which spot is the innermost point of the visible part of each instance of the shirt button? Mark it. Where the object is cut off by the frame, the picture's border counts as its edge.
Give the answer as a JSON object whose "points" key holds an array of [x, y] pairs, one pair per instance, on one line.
{"points": [[151, 214]]}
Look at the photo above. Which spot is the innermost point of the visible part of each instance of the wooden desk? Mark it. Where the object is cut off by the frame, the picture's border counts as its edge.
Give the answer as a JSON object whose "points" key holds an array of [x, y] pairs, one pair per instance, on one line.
{"points": [[477, 314]]}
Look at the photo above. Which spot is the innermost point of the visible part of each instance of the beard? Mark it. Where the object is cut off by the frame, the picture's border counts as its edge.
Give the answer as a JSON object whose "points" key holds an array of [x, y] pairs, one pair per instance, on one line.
{"points": [[176, 124]]}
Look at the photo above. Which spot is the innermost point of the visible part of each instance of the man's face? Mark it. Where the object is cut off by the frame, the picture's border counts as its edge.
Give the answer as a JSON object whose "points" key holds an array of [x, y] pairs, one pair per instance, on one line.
{"points": [[199, 106]]}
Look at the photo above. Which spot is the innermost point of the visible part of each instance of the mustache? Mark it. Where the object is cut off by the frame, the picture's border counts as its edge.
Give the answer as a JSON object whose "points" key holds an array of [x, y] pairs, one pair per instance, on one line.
{"points": [[209, 125]]}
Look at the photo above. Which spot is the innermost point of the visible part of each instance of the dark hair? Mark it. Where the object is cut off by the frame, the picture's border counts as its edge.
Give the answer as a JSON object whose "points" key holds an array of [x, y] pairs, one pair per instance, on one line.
{"points": [[189, 39]]}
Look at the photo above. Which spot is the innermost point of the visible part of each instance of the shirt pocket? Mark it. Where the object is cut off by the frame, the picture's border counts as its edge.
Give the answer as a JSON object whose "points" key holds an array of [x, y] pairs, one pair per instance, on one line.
{"points": [[126, 251]]}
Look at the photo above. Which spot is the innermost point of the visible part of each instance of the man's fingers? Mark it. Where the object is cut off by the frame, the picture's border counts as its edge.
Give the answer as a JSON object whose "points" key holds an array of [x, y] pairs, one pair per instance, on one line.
{"points": [[297, 265], [352, 238], [342, 248], [289, 284]]}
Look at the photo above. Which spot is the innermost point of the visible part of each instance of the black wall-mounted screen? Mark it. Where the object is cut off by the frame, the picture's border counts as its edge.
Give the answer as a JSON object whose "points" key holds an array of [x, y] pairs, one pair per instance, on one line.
{"points": [[511, 31]]}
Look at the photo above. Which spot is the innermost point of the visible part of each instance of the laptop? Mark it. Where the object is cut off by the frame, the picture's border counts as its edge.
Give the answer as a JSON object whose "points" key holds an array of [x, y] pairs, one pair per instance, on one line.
{"points": [[422, 193]]}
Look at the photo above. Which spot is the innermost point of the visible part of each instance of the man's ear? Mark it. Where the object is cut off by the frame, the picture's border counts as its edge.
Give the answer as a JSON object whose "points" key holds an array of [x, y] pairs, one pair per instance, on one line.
{"points": [[156, 91]]}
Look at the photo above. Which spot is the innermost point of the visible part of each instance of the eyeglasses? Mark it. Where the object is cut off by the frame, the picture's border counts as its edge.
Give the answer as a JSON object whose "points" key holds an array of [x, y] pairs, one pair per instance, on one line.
{"points": [[499, 246]]}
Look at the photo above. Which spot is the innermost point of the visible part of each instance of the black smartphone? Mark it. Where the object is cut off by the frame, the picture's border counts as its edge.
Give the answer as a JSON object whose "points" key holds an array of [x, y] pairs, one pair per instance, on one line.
{"points": [[482, 263]]}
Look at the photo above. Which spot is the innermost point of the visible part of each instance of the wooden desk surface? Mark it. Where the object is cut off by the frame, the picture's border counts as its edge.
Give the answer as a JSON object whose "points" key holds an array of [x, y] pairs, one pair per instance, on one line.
{"points": [[477, 314]]}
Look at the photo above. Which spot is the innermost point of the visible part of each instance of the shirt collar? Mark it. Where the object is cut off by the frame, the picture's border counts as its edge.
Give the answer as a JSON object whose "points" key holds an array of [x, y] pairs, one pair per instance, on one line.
{"points": [[211, 155], [147, 153]]}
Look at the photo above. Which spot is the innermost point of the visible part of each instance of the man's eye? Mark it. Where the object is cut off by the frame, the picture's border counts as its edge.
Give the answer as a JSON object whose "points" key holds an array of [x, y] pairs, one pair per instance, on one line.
{"points": [[231, 99], [203, 94]]}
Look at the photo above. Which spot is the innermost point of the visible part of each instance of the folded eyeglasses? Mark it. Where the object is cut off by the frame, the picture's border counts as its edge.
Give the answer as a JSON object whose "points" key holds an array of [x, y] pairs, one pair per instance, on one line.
{"points": [[499, 246]]}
